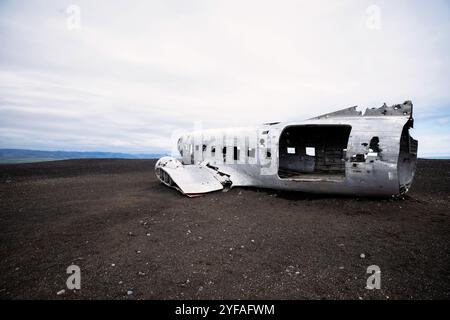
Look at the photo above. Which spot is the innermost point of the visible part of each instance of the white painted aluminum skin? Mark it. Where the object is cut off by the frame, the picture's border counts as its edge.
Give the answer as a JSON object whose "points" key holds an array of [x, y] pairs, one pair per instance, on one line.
{"points": [[344, 152]]}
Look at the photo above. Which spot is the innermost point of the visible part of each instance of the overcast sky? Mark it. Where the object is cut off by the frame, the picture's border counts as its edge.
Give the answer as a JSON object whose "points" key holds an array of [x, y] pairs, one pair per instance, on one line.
{"points": [[131, 74]]}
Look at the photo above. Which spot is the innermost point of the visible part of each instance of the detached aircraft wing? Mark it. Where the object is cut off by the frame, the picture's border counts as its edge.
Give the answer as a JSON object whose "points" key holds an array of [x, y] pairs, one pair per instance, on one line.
{"points": [[192, 180]]}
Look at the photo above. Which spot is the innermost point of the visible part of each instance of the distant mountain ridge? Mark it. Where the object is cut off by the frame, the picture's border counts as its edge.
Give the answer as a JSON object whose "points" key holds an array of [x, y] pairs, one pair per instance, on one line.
{"points": [[24, 155]]}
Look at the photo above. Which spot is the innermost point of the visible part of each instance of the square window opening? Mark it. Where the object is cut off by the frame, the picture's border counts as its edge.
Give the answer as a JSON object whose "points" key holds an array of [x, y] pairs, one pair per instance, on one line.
{"points": [[291, 150], [310, 151]]}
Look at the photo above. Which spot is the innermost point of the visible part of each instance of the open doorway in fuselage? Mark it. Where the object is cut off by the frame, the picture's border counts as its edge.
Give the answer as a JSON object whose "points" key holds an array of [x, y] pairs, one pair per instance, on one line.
{"points": [[313, 152]]}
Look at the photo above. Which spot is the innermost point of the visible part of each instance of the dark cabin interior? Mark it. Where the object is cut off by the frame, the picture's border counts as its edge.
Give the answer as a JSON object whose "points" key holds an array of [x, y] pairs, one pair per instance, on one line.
{"points": [[313, 151]]}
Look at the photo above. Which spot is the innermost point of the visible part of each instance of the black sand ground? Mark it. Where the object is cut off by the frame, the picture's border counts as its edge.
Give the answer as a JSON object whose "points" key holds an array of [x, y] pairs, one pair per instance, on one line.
{"points": [[126, 232]]}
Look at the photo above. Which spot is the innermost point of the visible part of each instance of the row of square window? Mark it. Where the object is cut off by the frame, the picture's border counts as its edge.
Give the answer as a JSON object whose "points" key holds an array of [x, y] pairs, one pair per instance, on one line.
{"points": [[310, 151], [236, 151]]}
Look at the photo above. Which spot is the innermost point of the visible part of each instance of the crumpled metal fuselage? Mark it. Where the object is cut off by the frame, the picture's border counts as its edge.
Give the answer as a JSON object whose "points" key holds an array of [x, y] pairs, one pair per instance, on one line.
{"points": [[344, 152]]}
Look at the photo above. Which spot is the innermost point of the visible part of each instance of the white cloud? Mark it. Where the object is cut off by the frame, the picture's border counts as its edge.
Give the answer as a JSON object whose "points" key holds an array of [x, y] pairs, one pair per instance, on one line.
{"points": [[135, 72]]}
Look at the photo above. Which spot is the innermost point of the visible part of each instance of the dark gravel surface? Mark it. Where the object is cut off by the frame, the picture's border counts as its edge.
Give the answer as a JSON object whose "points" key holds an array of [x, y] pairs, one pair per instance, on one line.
{"points": [[127, 232]]}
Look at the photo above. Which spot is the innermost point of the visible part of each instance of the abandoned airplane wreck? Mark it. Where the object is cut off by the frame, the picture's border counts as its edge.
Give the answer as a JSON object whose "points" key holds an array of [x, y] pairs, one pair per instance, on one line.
{"points": [[343, 152]]}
